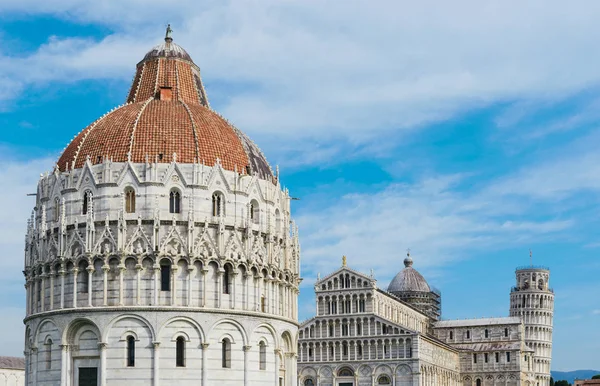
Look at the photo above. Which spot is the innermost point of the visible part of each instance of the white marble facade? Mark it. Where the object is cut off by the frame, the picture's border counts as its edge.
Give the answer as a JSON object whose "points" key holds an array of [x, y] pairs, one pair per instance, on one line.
{"points": [[364, 336], [161, 274]]}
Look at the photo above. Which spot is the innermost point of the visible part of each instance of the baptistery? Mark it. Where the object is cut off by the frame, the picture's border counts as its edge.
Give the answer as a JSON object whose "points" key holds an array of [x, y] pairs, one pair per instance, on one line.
{"points": [[161, 250]]}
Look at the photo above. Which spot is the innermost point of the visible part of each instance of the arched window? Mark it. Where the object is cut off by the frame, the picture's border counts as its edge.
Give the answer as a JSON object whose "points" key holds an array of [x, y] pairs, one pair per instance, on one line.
{"points": [[262, 347], [309, 382], [165, 275], [346, 372], [129, 200], [180, 352], [226, 279], [87, 201], [478, 383], [384, 380], [254, 211], [451, 335], [56, 209], [506, 332], [225, 353], [174, 201], [130, 351], [48, 347], [217, 204], [487, 334]]}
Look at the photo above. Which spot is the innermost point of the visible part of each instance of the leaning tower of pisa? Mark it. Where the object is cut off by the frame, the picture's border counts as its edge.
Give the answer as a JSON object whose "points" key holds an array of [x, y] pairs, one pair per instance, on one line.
{"points": [[533, 300]]}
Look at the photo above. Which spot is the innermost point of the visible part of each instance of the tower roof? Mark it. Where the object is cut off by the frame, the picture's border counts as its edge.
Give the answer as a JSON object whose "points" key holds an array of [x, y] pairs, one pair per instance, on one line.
{"points": [[408, 280], [167, 117]]}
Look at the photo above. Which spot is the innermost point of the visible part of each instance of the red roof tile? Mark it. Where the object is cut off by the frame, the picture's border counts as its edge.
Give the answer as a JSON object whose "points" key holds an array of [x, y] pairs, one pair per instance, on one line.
{"points": [[150, 127]]}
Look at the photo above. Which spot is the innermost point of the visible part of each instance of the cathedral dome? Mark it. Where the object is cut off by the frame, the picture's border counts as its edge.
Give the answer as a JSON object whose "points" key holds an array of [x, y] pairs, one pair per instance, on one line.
{"points": [[166, 118], [408, 280]]}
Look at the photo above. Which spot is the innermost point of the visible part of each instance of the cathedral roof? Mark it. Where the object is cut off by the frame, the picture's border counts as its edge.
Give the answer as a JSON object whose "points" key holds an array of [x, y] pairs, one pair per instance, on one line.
{"points": [[14, 363], [408, 280], [166, 118], [478, 322]]}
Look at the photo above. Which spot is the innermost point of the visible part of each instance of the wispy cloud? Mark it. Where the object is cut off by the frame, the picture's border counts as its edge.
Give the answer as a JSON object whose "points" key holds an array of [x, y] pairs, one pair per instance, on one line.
{"points": [[21, 177], [441, 222], [308, 69]]}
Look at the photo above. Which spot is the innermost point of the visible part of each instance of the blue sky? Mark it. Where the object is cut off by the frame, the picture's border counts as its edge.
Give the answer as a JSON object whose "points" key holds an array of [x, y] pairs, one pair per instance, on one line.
{"points": [[467, 132]]}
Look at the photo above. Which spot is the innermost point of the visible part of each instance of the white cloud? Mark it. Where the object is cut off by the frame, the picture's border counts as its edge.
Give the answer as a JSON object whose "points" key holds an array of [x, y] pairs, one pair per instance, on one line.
{"points": [[21, 177], [347, 71], [434, 217]]}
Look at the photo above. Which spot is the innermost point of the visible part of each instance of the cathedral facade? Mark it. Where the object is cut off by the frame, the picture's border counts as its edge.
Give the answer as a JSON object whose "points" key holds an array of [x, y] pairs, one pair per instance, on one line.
{"points": [[161, 249], [362, 335]]}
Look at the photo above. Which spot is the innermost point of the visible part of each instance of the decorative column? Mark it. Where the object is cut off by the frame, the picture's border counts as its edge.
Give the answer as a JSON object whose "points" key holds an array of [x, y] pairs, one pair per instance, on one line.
{"points": [[43, 291], [232, 299], [64, 357], [138, 287], [246, 366], [156, 269], [190, 273], [62, 288], [121, 289], [277, 351], [156, 365], [102, 348], [90, 269], [247, 277], [75, 272], [291, 368], [219, 288], [34, 354], [174, 269], [204, 369], [204, 272], [105, 269]]}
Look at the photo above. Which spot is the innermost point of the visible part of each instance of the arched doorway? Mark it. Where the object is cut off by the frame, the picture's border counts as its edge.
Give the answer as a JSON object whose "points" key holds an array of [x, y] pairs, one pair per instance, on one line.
{"points": [[345, 377]]}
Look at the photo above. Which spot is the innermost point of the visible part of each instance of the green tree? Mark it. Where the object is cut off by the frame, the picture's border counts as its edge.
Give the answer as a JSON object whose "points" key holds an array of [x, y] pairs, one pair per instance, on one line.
{"points": [[596, 376], [551, 381], [562, 383]]}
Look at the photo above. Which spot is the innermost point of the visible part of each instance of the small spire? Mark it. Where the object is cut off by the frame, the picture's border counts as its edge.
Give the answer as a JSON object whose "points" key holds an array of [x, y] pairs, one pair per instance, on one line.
{"points": [[344, 261], [168, 37]]}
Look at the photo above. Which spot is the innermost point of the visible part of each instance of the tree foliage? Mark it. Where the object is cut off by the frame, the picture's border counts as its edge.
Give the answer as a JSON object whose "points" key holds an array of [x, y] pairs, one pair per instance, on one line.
{"points": [[562, 383]]}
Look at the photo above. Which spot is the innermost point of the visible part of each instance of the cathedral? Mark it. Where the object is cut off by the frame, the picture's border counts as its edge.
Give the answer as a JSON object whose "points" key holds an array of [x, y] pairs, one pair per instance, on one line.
{"points": [[161, 249], [362, 335]]}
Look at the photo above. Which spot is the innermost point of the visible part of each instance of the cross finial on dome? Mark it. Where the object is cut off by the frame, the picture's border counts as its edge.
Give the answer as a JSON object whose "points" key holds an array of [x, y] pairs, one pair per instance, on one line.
{"points": [[168, 37]]}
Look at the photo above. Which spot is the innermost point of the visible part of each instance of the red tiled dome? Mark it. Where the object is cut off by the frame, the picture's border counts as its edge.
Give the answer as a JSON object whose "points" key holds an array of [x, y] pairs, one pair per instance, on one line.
{"points": [[167, 113]]}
